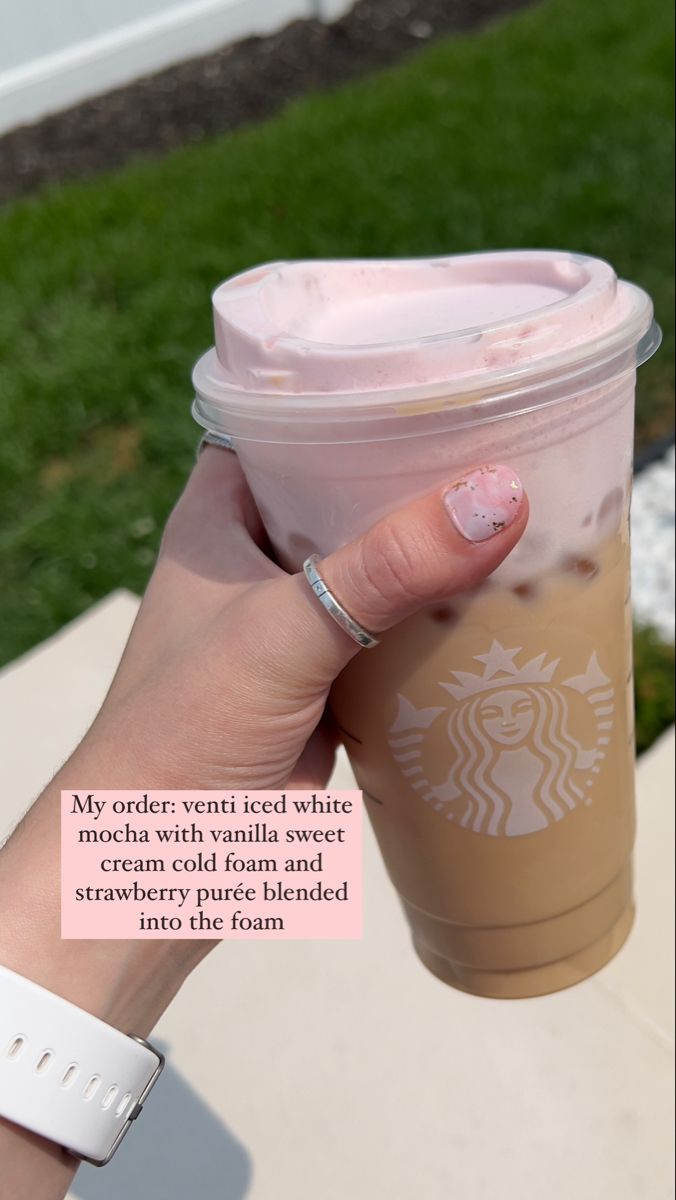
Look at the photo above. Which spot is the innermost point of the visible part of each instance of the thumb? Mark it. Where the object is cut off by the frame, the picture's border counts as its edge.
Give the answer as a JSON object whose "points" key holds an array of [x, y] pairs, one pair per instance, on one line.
{"points": [[447, 542]]}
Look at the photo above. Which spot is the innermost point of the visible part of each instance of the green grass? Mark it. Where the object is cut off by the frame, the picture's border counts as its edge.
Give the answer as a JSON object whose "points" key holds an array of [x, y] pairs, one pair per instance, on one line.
{"points": [[549, 129], [654, 687]]}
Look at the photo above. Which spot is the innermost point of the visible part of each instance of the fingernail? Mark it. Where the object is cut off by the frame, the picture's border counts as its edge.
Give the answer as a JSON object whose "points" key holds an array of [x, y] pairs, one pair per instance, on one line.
{"points": [[484, 502]]}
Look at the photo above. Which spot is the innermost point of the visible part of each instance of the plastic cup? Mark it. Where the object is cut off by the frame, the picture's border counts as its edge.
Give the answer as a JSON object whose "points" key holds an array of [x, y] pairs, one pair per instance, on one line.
{"points": [[492, 736]]}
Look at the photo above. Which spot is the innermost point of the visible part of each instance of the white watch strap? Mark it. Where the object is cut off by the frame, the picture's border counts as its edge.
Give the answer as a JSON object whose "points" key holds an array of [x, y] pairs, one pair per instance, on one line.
{"points": [[67, 1075]]}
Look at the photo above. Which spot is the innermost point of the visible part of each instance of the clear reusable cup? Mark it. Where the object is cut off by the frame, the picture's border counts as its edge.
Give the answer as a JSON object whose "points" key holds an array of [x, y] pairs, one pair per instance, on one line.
{"points": [[492, 735]]}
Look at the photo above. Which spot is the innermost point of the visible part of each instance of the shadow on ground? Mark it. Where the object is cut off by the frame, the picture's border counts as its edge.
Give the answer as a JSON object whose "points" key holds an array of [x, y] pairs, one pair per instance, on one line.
{"points": [[178, 1149]]}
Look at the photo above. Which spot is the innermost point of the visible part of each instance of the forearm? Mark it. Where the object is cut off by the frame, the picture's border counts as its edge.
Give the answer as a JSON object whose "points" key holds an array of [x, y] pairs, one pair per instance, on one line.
{"points": [[126, 984]]}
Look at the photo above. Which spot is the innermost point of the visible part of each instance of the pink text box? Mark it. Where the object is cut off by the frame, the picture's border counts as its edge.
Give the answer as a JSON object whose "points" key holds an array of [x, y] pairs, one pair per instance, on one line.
{"points": [[138, 865]]}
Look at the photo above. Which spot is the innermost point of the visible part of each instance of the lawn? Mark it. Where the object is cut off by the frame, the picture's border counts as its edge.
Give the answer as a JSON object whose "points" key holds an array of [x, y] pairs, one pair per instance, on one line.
{"points": [[551, 128]]}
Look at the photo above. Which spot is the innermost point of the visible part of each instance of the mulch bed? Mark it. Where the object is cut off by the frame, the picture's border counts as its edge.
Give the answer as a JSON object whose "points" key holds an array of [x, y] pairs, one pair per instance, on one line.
{"points": [[245, 81]]}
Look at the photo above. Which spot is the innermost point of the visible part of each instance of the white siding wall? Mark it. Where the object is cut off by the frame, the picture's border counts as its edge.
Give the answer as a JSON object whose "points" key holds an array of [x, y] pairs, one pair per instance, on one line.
{"points": [[54, 53]]}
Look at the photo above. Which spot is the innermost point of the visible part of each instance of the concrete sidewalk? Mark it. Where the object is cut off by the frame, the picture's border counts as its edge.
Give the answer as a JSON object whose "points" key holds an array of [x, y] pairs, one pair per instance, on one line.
{"points": [[343, 1071]]}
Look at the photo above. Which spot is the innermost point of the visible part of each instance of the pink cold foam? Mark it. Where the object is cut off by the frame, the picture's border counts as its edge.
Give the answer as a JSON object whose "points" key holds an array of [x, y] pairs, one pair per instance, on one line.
{"points": [[348, 388], [363, 326]]}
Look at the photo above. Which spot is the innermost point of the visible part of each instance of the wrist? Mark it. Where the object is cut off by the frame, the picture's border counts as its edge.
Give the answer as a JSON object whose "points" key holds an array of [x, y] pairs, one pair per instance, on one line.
{"points": [[128, 984], [119, 982], [93, 1081]]}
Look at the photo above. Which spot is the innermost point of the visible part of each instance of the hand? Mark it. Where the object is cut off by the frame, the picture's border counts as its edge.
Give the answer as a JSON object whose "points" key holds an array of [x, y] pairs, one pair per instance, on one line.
{"points": [[225, 678], [224, 683]]}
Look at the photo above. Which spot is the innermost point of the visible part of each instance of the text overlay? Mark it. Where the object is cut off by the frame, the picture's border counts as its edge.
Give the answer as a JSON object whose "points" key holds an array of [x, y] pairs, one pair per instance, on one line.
{"points": [[211, 864]]}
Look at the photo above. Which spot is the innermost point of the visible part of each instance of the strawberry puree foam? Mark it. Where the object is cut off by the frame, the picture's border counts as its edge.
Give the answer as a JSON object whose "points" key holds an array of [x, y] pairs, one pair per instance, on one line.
{"points": [[349, 387], [347, 326]]}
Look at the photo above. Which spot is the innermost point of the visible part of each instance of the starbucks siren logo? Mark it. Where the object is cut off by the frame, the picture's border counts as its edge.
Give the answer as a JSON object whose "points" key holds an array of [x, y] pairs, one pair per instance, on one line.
{"points": [[514, 765]]}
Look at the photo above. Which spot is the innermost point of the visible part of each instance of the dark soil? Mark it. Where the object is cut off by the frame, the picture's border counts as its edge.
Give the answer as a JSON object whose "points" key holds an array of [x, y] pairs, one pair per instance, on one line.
{"points": [[245, 81]]}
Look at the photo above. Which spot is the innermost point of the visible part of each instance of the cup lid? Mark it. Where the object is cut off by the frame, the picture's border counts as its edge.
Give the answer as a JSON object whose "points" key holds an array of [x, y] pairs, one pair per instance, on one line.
{"points": [[342, 334]]}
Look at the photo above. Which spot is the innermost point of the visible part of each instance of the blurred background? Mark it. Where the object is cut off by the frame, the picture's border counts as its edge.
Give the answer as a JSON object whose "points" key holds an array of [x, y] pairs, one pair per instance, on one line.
{"points": [[149, 150]]}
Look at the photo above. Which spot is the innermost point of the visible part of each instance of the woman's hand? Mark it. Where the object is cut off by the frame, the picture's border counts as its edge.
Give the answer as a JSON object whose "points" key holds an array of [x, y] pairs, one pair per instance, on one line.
{"points": [[223, 684], [226, 674]]}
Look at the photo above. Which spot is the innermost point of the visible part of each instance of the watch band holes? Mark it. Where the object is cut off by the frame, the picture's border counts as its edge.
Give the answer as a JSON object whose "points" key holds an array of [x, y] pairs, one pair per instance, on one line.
{"points": [[91, 1087], [110, 1096], [69, 1075], [44, 1061], [15, 1047], [122, 1106]]}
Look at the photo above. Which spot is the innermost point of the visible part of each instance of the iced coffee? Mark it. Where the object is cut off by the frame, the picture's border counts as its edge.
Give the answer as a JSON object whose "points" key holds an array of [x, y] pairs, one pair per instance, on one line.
{"points": [[491, 733]]}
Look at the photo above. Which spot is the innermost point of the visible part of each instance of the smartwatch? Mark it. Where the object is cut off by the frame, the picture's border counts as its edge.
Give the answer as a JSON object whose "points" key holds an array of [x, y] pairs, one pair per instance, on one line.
{"points": [[65, 1074]]}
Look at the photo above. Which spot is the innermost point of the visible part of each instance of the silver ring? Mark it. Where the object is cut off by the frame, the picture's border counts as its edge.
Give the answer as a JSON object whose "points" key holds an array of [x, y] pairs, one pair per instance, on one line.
{"points": [[334, 608], [222, 440]]}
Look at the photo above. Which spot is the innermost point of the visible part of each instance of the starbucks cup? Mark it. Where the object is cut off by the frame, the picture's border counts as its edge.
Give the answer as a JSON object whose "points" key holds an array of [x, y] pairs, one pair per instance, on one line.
{"points": [[492, 735]]}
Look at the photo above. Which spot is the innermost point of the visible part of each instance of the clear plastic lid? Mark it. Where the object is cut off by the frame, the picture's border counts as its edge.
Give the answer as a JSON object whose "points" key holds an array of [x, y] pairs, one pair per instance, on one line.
{"points": [[348, 341]]}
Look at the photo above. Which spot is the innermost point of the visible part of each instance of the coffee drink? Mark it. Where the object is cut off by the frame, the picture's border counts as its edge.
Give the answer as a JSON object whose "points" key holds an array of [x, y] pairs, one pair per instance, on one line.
{"points": [[491, 733]]}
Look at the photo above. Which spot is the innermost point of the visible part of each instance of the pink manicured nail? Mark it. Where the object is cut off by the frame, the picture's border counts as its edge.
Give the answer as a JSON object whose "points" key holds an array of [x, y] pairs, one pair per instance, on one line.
{"points": [[484, 502]]}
